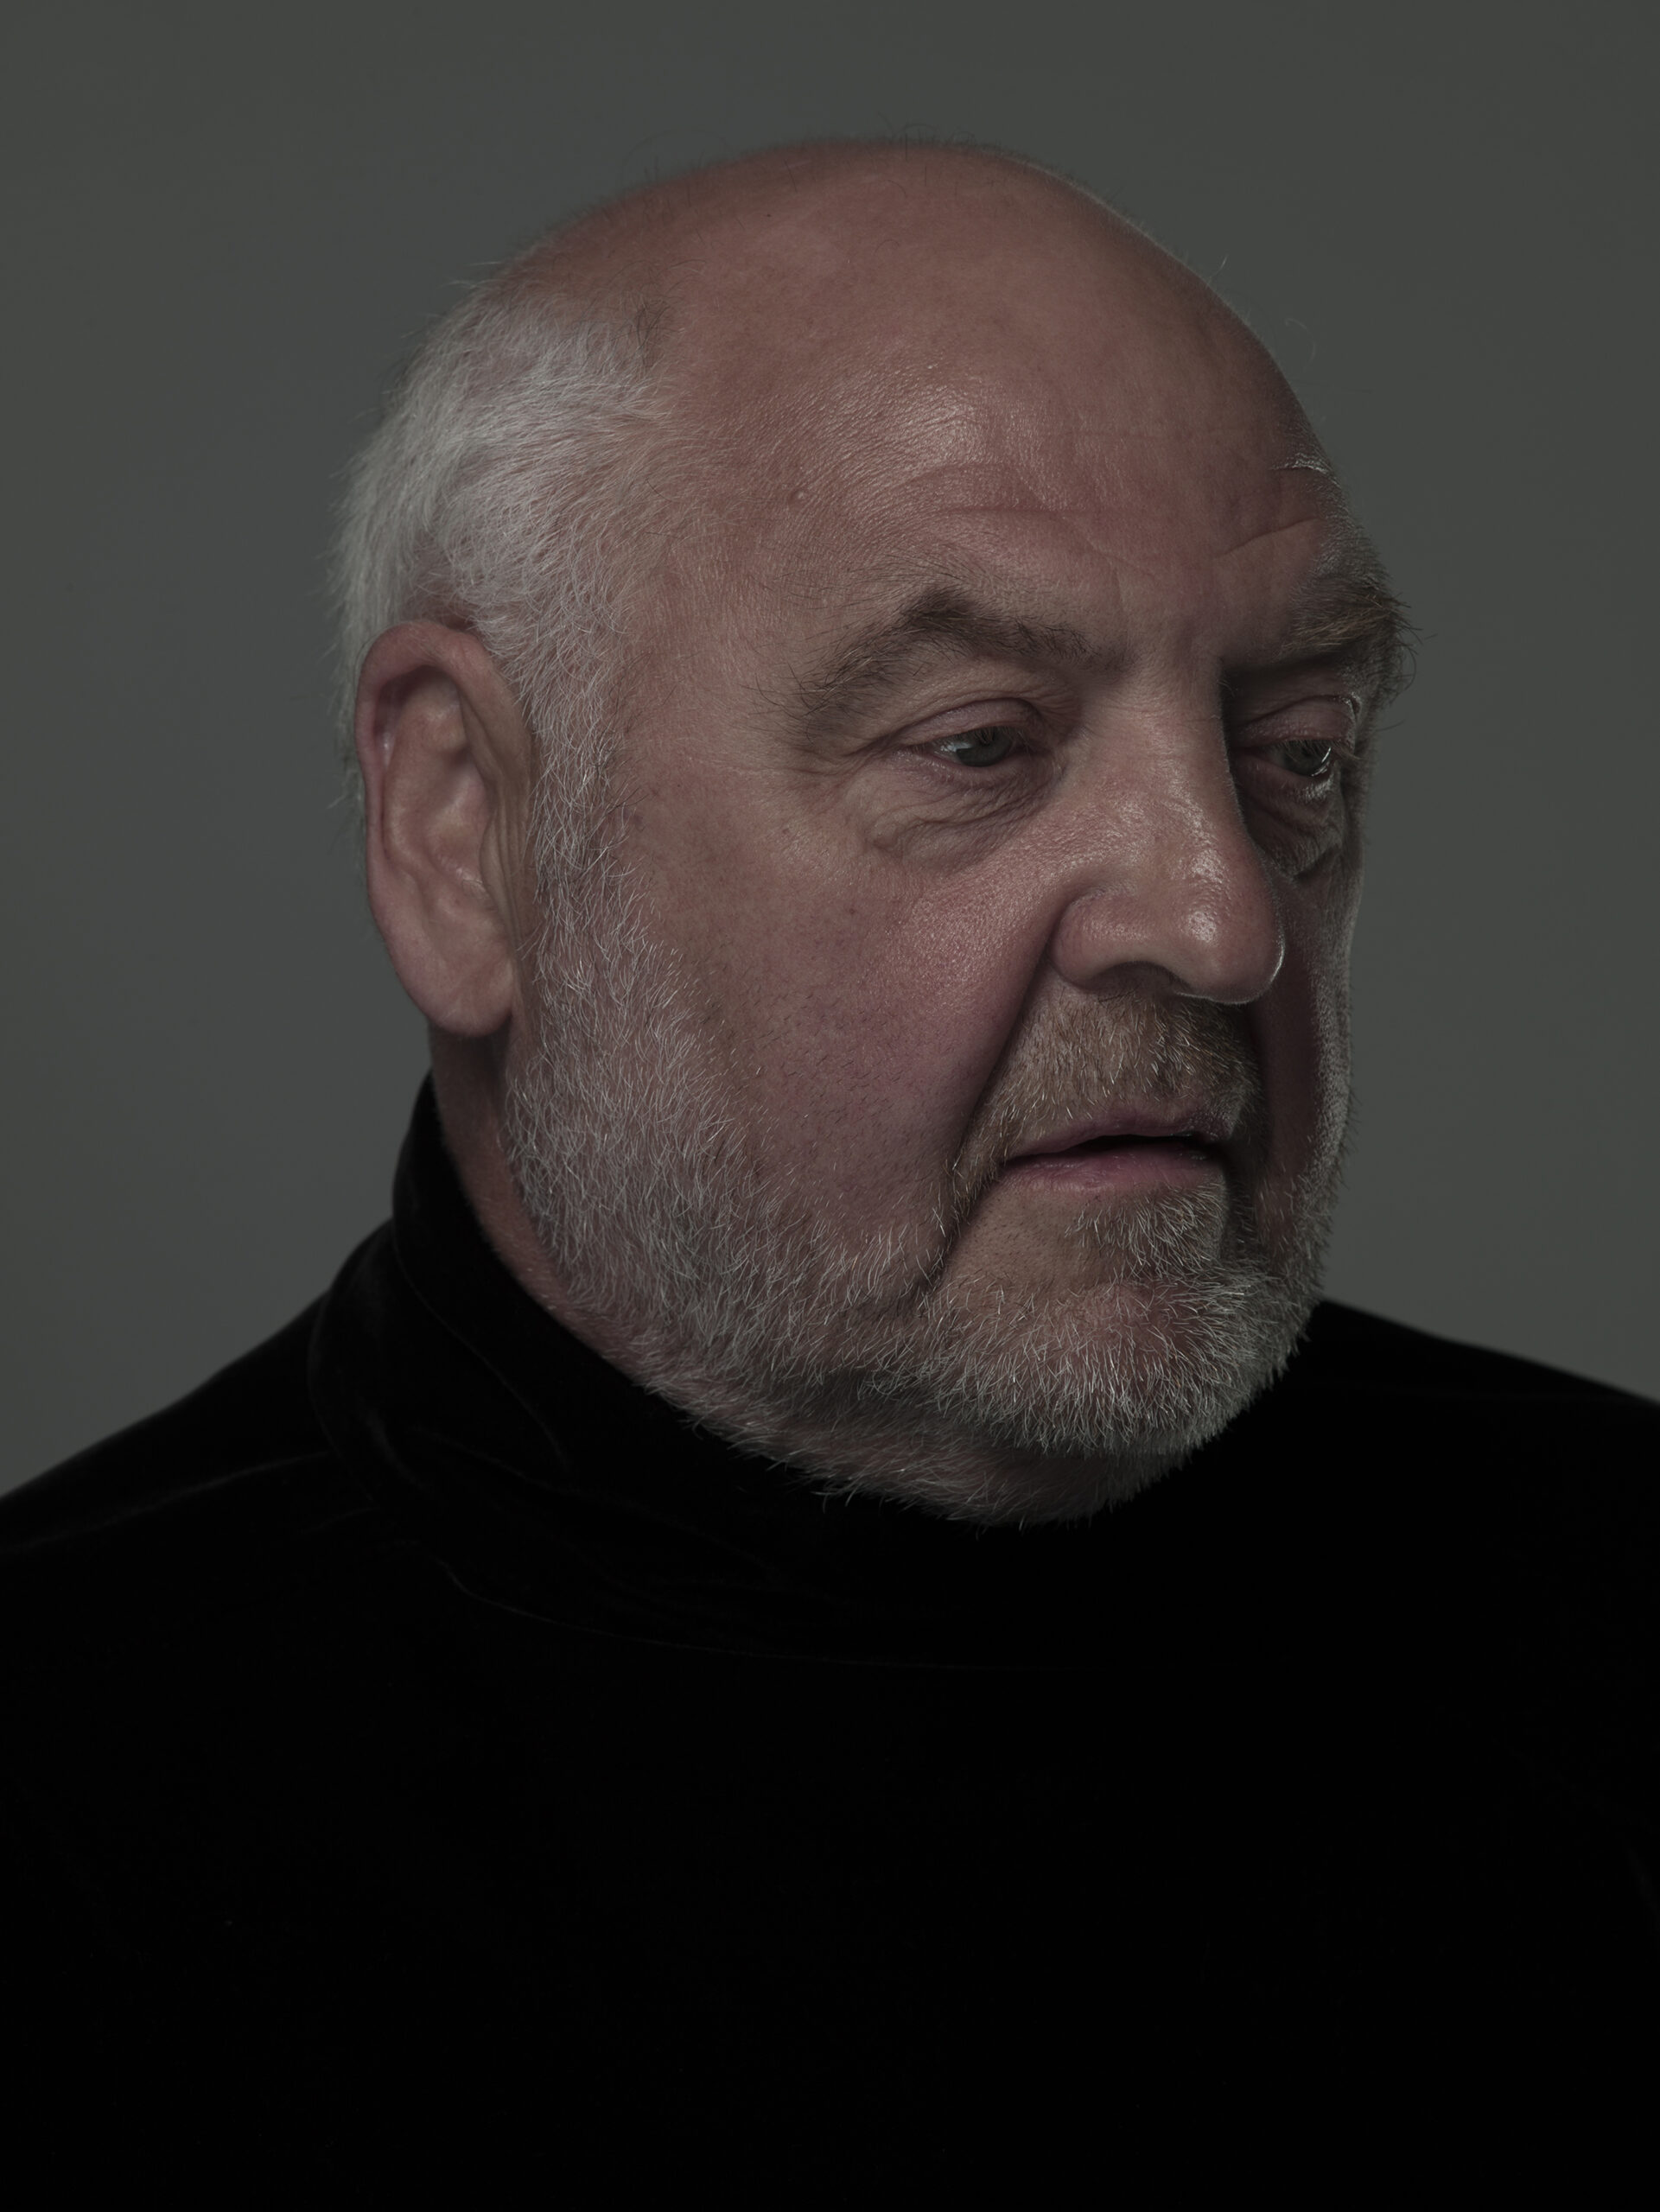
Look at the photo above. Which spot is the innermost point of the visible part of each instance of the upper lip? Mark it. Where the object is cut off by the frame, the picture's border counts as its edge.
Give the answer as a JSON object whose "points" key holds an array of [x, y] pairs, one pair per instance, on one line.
{"points": [[1198, 1124]]}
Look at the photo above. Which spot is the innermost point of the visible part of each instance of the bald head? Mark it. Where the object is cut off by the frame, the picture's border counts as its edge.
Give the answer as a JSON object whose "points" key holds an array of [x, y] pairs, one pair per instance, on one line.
{"points": [[805, 275], [815, 200], [841, 230]]}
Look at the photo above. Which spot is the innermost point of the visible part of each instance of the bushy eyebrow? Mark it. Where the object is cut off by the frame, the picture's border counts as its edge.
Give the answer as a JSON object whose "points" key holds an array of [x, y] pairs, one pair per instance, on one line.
{"points": [[940, 622], [1349, 613]]}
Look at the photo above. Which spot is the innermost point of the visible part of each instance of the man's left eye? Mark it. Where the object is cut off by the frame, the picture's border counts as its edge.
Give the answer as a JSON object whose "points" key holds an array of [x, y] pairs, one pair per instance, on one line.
{"points": [[979, 748], [1304, 756]]}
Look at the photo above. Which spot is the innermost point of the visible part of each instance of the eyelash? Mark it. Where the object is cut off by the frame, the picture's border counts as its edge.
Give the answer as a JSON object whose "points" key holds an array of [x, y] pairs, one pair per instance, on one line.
{"points": [[1316, 775], [967, 737], [1334, 750]]}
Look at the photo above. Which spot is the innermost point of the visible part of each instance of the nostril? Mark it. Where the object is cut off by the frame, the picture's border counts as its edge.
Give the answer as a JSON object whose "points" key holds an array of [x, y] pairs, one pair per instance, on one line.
{"points": [[1200, 914]]}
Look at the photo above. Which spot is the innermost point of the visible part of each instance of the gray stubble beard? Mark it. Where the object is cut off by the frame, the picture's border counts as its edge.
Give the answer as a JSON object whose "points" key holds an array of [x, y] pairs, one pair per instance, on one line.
{"points": [[869, 1362]]}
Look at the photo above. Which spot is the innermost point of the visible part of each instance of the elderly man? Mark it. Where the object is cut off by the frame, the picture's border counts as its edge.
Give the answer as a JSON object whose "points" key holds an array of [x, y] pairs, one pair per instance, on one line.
{"points": [[824, 1607]]}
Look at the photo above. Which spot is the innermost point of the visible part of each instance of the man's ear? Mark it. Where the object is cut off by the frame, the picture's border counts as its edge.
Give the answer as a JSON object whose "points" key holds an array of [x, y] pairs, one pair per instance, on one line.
{"points": [[446, 758]]}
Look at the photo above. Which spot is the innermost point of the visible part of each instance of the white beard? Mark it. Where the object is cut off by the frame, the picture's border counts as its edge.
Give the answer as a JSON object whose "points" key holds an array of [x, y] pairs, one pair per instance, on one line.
{"points": [[874, 1364]]}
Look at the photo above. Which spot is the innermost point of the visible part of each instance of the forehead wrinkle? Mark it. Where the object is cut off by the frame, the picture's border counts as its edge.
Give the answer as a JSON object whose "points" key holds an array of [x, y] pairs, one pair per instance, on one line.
{"points": [[1256, 538], [1078, 481]]}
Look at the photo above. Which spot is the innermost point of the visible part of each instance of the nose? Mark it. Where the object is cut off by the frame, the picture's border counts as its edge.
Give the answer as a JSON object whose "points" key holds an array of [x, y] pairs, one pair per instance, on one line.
{"points": [[1166, 876]]}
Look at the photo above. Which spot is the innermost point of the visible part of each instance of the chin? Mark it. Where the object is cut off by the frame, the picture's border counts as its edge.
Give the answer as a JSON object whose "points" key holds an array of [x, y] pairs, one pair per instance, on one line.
{"points": [[990, 1488], [1045, 1410]]}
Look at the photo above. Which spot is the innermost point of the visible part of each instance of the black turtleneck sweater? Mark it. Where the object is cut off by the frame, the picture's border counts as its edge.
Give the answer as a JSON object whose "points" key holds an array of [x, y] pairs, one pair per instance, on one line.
{"points": [[435, 1772]]}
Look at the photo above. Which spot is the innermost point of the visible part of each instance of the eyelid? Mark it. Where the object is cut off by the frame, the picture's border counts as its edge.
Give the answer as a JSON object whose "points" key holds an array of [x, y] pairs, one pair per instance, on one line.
{"points": [[1266, 724], [973, 713], [1022, 715]]}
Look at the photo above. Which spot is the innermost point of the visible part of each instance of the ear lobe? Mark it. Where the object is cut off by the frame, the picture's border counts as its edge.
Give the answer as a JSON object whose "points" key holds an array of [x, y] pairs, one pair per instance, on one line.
{"points": [[443, 752]]}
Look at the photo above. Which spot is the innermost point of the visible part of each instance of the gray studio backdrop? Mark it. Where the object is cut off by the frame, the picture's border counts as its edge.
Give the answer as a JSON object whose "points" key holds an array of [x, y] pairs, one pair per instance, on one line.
{"points": [[227, 223]]}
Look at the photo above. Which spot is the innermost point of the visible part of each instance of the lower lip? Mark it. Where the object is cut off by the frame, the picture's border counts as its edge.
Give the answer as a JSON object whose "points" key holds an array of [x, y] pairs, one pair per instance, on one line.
{"points": [[1151, 1165]]}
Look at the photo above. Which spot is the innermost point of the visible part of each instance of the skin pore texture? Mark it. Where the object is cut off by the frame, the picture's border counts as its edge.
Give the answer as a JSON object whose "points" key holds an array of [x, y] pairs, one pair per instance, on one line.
{"points": [[938, 1081]]}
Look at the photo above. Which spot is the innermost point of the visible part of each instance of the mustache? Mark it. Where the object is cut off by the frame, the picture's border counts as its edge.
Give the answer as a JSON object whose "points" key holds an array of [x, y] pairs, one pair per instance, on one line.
{"points": [[1076, 1058]]}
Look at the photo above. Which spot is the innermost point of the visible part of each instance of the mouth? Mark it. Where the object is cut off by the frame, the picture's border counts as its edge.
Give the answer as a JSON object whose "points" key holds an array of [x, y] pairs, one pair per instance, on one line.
{"points": [[1124, 1151]]}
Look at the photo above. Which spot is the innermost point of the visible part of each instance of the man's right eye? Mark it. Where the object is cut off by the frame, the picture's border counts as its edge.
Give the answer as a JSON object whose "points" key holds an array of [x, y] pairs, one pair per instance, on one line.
{"points": [[979, 748]]}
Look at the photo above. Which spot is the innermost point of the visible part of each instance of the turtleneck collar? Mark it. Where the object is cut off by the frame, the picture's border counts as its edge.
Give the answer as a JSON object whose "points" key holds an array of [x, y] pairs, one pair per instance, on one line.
{"points": [[547, 1480]]}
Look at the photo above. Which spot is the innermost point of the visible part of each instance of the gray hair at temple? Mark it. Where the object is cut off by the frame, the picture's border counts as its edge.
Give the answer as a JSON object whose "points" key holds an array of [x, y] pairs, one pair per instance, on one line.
{"points": [[493, 495]]}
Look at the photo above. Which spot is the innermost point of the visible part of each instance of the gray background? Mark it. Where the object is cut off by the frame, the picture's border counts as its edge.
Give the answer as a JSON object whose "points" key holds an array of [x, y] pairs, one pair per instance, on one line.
{"points": [[226, 223]]}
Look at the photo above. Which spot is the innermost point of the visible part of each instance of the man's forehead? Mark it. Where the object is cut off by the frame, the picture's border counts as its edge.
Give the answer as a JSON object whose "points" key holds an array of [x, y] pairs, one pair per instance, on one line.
{"points": [[1094, 391], [1079, 528], [1063, 499], [1011, 434]]}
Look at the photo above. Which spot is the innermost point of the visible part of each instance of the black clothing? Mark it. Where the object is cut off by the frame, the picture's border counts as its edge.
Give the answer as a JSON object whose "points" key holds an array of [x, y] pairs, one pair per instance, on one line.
{"points": [[435, 1770]]}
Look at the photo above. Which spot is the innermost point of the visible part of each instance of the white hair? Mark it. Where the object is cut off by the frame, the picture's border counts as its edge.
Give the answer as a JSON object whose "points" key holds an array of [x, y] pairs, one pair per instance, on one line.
{"points": [[489, 497]]}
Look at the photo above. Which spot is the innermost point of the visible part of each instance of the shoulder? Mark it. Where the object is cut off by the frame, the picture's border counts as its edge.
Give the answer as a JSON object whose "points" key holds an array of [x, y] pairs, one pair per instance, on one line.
{"points": [[243, 1453], [1345, 1349], [1519, 1503], [187, 1598], [180, 1531], [1451, 1431], [203, 1653]]}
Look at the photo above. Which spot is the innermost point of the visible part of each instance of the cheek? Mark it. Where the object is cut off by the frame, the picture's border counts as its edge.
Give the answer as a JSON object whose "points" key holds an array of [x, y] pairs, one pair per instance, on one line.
{"points": [[863, 1016], [1301, 1029]]}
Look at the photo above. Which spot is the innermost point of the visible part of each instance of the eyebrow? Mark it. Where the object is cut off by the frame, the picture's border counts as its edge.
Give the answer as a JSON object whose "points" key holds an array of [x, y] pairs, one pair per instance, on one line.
{"points": [[940, 622], [1348, 613]]}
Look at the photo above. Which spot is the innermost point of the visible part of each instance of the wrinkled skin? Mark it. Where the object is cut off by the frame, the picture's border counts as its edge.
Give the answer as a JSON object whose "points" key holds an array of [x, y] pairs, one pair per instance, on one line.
{"points": [[939, 381]]}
